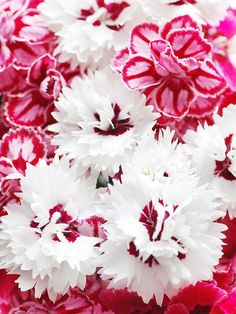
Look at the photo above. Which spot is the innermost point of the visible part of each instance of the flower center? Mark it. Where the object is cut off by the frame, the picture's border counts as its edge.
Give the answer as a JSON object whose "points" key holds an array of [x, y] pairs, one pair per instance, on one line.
{"points": [[70, 226], [222, 168], [155, 226], [181, 2], [201, 310], [118, 126], [106, 14]]}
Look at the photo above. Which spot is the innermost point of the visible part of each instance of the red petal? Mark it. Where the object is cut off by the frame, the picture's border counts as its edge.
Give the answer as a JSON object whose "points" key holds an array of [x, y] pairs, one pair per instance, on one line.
{"points": [[141, 37], [30, 109], [123, 302], [120, 59], [6, 167], [227, 305], [202, 106], [139, 72], [39, 68], [179, 22], [165, 61], [207, 79], [26, 54], [202, 294], [189, 43], [8, 79], [177, 309], [173, 97], [228, 68], [230, 248], [28, 28]]}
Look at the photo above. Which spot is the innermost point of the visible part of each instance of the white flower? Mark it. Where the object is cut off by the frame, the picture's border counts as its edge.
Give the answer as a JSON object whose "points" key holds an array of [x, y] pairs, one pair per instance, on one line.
{"points": [[40, 238], [100, 121], [162, 161], [156, 246], [213, 151], [87, 29], [211, 11]]}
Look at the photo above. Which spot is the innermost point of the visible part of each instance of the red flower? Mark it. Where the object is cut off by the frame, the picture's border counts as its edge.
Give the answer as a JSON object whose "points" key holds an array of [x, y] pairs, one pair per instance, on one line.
{"points": [[198, 299]]}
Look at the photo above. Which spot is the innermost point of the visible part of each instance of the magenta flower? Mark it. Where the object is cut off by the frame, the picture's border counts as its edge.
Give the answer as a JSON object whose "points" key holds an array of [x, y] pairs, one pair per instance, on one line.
{"points": [[172, 66]]}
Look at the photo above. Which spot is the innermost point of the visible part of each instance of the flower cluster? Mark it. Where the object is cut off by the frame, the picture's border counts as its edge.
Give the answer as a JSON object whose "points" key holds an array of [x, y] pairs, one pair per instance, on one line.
{"points": [[118, 156]]}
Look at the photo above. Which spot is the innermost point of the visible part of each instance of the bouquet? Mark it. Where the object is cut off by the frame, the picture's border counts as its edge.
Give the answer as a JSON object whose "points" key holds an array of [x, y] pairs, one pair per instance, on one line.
{"points": [[118, 156]]}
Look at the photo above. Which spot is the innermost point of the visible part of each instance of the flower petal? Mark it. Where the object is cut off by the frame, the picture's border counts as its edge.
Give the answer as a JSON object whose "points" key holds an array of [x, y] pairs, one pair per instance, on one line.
{"points": [[188, 43], [139, 72], [141, 37], [173, 97], [30, 109], [179, 22], [207, 79]]}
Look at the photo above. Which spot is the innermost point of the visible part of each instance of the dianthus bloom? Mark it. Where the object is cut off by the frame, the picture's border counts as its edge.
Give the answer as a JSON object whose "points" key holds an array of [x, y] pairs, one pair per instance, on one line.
{"points": [[87, 29], [213, 152], [99, 121], [44, 238], [158, 242], [172, 65]]}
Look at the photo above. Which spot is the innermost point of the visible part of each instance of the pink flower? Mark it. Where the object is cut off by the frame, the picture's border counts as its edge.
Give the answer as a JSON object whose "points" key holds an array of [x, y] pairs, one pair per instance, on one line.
{"points": [[222, 39], [227, 305], [14, 301], [172, 66]]}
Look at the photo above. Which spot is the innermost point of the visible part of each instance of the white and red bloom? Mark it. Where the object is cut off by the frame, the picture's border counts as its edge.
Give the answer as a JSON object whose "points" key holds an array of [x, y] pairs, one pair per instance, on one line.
{"points": [[213, 152], [32, 104], [172, 66], [159, 242], [99, 121], [42, 238], [160, 161], [18, 148], [86, 29]]}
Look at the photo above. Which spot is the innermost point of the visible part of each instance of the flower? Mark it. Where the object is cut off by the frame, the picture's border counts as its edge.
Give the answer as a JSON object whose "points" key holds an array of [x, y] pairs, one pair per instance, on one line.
{"points": [[212, 150], [223, 40], [172, 66], [13, 300], [22, 39], [150, 160], [99, 121], [17, 148], [86, 29], [42, 238], [158, 243], [200, 298], [32, 104]]}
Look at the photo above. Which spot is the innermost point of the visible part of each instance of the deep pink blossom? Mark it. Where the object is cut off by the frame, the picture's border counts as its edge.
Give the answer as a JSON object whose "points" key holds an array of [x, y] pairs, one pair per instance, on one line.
{"points": [[221, 38], [172, 66], [198, 299]]}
